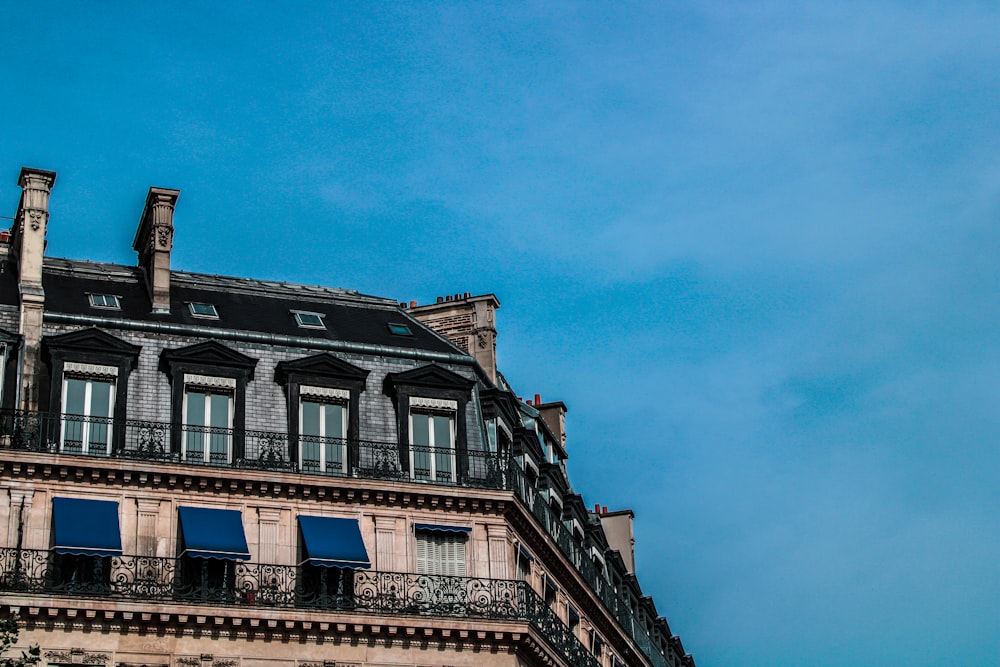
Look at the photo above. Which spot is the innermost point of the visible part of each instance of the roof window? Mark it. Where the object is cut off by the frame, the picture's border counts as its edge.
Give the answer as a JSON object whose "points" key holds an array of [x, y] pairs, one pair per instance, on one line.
{"points": [[105, 301], [308, 319], [400, 329], [205, 310]]}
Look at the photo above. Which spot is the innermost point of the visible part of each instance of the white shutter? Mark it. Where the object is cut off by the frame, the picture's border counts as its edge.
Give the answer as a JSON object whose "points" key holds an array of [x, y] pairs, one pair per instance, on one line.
{"points": [[441, 553]]}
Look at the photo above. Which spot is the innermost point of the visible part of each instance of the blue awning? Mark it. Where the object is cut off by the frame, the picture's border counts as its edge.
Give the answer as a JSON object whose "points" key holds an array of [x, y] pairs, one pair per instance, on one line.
{"points": [[525, 553], [332, 542], [213, 533], [434, 528], [550, 583], [86, 527]]}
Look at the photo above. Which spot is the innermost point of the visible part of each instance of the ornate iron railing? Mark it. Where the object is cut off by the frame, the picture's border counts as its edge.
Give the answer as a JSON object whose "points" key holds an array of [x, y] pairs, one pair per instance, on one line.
{"points": [[192, 580], [248, 449], [554, 526]]}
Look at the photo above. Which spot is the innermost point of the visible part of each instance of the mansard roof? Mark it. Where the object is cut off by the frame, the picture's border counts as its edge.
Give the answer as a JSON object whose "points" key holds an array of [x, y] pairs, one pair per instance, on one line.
{"points": [[243, 304]]}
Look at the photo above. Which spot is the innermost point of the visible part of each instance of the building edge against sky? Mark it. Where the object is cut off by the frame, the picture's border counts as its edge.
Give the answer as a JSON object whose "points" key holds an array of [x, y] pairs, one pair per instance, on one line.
{"points": [[204, 471]]}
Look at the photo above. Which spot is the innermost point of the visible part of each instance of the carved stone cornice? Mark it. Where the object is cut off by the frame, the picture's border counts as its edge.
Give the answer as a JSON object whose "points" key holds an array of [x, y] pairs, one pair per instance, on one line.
{"points": [[255, 484]]}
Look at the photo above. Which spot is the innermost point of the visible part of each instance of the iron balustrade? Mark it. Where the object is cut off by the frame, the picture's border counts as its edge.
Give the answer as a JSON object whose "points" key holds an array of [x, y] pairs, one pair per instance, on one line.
{"points": [[247, 449], [271, 451], [563, 537], [209, 581]]}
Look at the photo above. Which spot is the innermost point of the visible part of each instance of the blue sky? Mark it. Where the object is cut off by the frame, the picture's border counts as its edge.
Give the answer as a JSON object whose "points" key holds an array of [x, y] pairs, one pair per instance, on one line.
{"points": [[753, 246]]}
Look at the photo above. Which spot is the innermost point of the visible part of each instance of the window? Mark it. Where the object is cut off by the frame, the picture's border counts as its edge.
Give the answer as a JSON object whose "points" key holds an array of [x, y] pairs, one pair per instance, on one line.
{"points": [[88, 405], [574, 622], [524, 560], [441, 552], [206, 310], [399, 329], [105, 301], [323, 440], [309, 320], [432, 452], [208, 421]]}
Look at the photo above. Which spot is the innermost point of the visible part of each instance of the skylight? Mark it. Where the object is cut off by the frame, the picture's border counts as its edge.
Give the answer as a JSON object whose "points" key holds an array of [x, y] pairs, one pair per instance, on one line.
{"points": [[308, 319], [206, 310], [105, 301], [400, 329]]}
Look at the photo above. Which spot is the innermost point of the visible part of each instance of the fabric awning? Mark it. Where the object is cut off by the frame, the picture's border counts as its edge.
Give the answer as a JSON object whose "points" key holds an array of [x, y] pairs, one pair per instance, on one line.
{"points": [[213, 533], [435, 528], [85, 527], [333, 542], [525, 554]]}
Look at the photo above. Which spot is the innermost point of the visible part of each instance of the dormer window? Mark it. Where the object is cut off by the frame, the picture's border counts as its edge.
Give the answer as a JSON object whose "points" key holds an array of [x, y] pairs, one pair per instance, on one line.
{"points": [[109, 301], [309, 320], [399, 329], [203, 310]]}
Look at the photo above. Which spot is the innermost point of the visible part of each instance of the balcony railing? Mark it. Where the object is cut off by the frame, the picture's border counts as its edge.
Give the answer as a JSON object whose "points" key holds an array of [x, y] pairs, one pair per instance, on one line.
{"points": [[240, 583], [248, 449], [590, 572], [271, 450]]}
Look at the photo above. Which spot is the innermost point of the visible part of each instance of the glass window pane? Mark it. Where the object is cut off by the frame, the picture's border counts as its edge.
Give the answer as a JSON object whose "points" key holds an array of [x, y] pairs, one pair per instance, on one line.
{"points": [[442, 432], [100, 399], [420, 433], [334, 420], [220, 410], [420, 437], [195, 408], [310, 418], [76, 391]]}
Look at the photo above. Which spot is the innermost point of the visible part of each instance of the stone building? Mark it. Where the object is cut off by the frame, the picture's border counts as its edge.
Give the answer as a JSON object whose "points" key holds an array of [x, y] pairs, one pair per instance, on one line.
{"points": [[202, 471]]}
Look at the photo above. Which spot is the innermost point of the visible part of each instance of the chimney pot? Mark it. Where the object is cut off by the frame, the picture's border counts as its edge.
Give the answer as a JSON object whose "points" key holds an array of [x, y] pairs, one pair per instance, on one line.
{"points": [[413, 304], [440, 299], [528, 401], [468, 295], [448, 298], [538, 399], [597, 508], [605, 508]]}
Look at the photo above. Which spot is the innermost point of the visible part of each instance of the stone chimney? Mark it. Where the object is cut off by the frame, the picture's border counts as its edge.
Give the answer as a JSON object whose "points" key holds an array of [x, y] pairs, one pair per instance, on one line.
{"points": [[554, 416], [153, 241], [467, 321], [618, 529], [28, 243]]}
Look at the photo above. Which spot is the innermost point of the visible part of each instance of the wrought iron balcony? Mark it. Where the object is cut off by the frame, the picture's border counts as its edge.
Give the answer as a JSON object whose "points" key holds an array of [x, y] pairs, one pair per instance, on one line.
{"points": [[249, 449], [193, 581]]}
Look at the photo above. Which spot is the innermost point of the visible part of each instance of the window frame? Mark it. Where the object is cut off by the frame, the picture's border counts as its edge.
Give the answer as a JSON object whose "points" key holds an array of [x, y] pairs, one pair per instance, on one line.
{"points": [[324, 438], [86, 424], [210, 433], [432, 447], [193, 309], [90, 351], [323, 373], [115, 305], [299, 314], [210, 362]]}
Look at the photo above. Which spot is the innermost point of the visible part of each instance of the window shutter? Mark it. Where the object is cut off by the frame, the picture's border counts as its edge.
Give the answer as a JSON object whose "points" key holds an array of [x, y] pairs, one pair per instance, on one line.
{"points": [[441, 554]]}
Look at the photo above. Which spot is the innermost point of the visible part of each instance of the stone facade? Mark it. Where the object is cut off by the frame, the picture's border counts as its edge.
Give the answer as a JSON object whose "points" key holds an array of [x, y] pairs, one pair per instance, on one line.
{"points": [[477, 550]]}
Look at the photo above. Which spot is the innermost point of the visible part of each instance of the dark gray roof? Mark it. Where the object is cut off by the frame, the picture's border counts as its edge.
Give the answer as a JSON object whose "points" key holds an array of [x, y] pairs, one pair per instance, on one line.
{"points": [[243, 304]]}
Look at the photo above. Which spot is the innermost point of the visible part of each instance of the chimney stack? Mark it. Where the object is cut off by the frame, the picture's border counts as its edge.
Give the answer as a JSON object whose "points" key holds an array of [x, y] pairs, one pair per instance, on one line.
{"points": [[467, 321], [554, 416], [28, 244], [153, 241]]}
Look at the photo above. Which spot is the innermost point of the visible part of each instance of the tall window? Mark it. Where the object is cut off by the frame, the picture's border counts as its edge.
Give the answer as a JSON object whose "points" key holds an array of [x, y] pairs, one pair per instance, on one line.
{"points": [[323, 439], [208, 424], [441, 553], [88, 405], [432, 450]]}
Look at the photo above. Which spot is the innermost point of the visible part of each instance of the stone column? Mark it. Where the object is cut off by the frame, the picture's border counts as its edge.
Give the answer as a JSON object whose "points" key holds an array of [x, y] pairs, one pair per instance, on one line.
{"points": [[146, 532], [267, 546], [387, 559]]}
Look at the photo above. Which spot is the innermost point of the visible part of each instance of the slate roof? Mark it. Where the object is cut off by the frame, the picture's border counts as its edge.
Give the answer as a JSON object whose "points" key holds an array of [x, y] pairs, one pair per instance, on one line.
{"points": [[243, 304]]}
